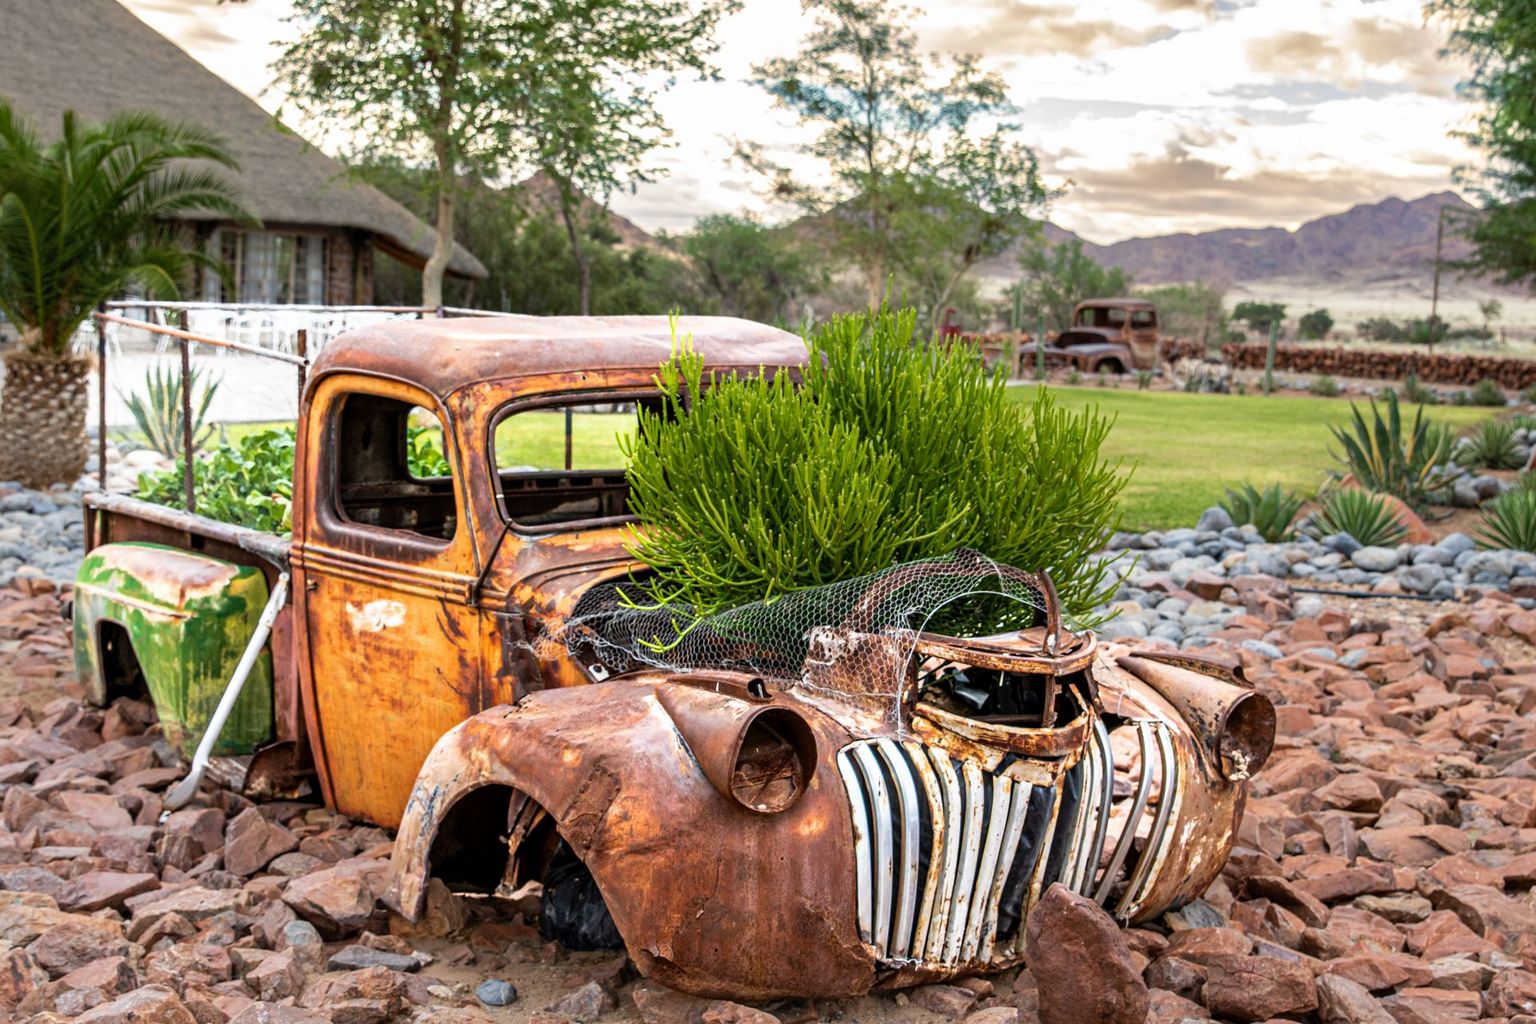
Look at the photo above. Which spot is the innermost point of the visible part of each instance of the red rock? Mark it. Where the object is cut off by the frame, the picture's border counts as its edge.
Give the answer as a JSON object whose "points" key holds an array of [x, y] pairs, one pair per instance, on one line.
{"points": [[20, 976], [1367, 878], [1443, 934], [1381, 972], [1256, 988], [1195, 944], [1414, 846], [151, 1004], [270, 1013], [277, 977], [110, 976], [1353, 791], [100, 811], [1510, 993], [945, 1000], [1072, 941], [74, 943], [251, 842], [1341, 1001], [95, 890], [337, 901], [1487, 910], [1434, 1005], [1168, 1008], [1172, 974], [1304, 905], [589, 1002]]}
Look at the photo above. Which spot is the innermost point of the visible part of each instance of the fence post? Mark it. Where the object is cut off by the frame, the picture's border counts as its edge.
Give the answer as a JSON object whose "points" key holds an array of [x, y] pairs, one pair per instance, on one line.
{"points": [[188, 487], [101, 398], [1269, 357], [301, 342], [1040, 347]]}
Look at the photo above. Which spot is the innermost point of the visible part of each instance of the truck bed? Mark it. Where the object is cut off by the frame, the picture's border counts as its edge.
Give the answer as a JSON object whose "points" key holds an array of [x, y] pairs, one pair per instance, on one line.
{"points": [[113, 518]]}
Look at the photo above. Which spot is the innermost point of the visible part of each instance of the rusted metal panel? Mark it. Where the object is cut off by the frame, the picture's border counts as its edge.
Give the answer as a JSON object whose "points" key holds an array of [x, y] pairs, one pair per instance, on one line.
{"points": [[930, 834]]}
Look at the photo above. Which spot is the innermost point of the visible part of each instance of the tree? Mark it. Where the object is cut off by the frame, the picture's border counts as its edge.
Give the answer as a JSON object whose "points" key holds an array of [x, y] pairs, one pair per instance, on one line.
{"points": [[891, 135], [526, 252], [1259, 316], [481, 86], [1194, 310], [1498, 40], [972, 207], [749, 270], [82, 220], [1315, 325], [1491, 309], [1058, 277]]}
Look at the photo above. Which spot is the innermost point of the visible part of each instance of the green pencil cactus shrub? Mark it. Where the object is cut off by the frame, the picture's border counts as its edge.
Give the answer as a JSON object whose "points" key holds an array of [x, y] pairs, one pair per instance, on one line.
{"points": [[889, 450]]}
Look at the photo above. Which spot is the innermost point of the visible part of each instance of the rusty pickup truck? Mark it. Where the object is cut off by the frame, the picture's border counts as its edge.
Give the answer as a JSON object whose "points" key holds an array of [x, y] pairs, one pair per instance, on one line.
{"points": [[877, 807], [1108, 335]]}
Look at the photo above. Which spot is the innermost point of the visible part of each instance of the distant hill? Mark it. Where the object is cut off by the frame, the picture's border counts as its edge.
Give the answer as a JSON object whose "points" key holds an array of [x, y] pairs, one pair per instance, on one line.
{"points": [[539, 192], [1370, 242]]}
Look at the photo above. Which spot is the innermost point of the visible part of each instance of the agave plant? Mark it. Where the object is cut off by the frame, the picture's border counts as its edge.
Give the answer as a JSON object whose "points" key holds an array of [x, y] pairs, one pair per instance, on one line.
{"points": [[158, 411], [1491, 445], [1385, 457], [1509, 521], [1367, 517], [1271, 511]]}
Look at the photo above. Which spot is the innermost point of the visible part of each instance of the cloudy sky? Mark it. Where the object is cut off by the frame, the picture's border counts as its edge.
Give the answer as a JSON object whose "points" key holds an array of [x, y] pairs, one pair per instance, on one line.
{"points": [[1158, 115]]}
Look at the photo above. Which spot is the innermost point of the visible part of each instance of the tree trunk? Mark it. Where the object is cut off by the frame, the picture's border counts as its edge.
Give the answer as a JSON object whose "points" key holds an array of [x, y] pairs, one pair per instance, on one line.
{"points": [[42, 418], [578, 253], [442, 245]]}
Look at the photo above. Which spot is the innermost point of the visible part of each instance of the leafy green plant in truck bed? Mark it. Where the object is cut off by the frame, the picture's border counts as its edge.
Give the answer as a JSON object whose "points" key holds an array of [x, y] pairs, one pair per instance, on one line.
{"points": [[888, 452], [247, 483]]}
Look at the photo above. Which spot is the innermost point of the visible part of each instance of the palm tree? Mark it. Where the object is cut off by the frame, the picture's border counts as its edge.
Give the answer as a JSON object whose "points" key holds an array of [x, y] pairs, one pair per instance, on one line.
{"points": [[83, 220]]}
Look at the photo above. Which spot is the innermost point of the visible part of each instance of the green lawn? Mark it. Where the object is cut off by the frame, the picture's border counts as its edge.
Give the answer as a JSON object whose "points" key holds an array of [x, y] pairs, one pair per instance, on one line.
{"points": [[1187, 449]]}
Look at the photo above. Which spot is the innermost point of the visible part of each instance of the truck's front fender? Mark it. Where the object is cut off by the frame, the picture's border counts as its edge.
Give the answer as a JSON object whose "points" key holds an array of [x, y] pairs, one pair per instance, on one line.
{"points": [[682, 868]]}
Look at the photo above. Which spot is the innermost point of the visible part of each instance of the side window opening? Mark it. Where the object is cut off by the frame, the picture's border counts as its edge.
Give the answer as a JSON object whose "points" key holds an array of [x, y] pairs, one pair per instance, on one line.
{"points": [[564, 463], [392, 472], [1143, 319]]}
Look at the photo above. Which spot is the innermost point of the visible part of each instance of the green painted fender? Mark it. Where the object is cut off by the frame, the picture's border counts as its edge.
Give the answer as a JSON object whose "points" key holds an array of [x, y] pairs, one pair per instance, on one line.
{"points": [[188, 618]]}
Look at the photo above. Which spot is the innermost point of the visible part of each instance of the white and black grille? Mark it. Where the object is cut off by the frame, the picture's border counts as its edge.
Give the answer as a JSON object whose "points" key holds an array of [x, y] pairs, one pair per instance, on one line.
{"points": [[950, 856]]}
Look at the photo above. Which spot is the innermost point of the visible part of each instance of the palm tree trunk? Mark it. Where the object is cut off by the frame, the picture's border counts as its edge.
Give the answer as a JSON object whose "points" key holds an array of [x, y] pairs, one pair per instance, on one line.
{"points": [[42, 418]]}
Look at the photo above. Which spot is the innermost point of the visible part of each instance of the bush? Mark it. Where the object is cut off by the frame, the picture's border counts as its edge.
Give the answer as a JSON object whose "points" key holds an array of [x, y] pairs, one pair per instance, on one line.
{"points": [[1490, 446], [1314, 325], [1384, 457], [1364, 516], [1509, 521], [1143, 379], [889, 452], [1324, 387], [1271, 511], [1380, 328], [1260, 315], [1418, 394], [1528, 396], [158, 411], [249, 483], [1486, 392]]}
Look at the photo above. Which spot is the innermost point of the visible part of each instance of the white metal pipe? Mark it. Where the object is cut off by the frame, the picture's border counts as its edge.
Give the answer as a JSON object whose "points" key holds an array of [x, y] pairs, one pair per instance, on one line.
{"points": [[184, 789]]}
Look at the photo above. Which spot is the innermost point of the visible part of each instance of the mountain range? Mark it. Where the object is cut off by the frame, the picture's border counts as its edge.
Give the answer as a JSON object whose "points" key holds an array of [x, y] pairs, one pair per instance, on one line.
{"points": [[1372, 242]]}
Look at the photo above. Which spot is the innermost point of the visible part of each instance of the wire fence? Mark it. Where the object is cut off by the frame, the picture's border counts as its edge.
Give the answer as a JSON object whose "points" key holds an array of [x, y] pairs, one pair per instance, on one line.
{"points": [[254, 359]]}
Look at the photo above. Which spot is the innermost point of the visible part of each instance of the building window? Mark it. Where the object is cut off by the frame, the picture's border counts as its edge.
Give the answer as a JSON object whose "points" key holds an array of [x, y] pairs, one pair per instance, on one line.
{"points": [[268, 268]]}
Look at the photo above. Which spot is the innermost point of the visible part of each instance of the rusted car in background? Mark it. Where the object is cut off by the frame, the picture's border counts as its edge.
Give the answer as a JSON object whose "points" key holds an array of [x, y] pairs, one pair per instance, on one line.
{"points": [[1108, 335], [876, 805]]}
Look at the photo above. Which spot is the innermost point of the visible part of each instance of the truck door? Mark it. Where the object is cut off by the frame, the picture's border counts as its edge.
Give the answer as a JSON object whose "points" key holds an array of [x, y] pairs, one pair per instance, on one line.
{"points": [[384, 561]]}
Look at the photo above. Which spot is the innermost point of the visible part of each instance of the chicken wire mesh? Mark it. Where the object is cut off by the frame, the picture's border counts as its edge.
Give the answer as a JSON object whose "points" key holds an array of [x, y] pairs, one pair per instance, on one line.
{"points": [[617, 626]]}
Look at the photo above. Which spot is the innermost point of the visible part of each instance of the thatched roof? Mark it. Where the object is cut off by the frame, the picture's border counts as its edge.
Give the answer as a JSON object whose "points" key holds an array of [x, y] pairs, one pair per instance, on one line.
{"points": [[95, 57]]}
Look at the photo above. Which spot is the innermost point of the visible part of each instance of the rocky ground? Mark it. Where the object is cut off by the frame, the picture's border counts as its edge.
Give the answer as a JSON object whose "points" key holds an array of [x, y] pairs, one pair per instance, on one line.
{"points": [[1383, 871]]}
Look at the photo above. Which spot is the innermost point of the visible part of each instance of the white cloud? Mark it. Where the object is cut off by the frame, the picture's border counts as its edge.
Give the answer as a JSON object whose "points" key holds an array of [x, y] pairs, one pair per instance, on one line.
{"points": [[1170, 114]]}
